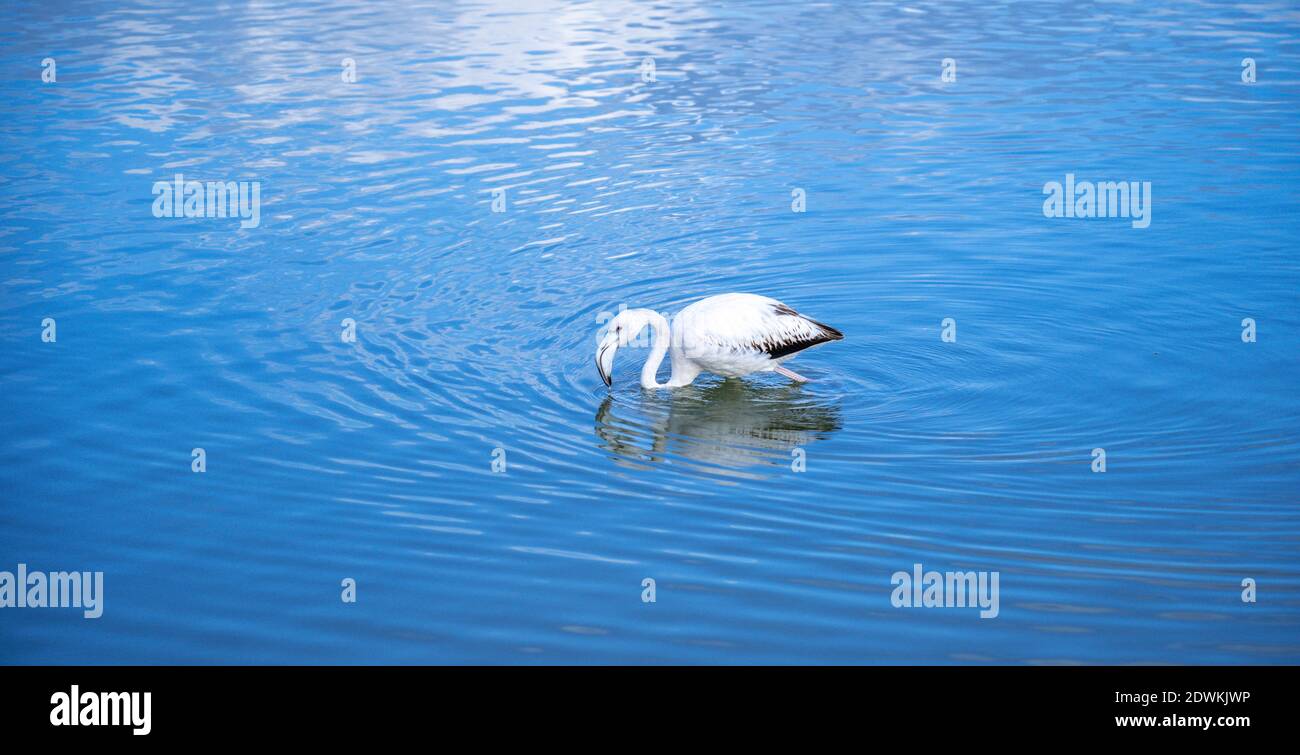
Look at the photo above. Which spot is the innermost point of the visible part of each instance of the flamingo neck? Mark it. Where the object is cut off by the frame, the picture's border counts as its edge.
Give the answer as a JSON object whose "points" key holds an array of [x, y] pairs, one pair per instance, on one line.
{"points": [[660, 347]]}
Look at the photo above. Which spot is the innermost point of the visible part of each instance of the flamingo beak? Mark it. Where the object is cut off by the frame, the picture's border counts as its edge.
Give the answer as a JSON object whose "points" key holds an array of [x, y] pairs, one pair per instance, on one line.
{"points": [[605, 358]]}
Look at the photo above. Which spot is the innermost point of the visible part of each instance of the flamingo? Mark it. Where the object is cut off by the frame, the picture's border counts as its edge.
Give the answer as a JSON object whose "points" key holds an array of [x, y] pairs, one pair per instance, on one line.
{"points": [[728, 334]]}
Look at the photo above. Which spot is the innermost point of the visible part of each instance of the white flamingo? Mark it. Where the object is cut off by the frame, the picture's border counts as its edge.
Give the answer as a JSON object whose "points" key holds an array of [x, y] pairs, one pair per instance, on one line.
{"points": [[728, 334]]}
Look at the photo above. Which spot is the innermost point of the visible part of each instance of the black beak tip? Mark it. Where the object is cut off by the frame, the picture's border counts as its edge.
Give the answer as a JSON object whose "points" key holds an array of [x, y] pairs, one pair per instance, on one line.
{"points": [[609, 380]]}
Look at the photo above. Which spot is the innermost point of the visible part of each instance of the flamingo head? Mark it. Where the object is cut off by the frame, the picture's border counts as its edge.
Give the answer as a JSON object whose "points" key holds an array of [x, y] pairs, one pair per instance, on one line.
{"points": [[622, 330]]}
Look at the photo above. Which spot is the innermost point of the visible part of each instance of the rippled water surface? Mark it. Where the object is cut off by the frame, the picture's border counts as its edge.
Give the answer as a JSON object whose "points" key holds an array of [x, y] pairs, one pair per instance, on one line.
{"points": [[476, 331]]}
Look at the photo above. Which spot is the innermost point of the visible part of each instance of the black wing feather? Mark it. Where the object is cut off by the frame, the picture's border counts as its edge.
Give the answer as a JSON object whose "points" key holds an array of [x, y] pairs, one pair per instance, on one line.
{"points": [[822, 334]]}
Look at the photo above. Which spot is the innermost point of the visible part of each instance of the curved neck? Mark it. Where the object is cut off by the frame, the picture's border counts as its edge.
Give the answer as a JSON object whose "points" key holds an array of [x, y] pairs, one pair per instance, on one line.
{"points": [[661, 340]]}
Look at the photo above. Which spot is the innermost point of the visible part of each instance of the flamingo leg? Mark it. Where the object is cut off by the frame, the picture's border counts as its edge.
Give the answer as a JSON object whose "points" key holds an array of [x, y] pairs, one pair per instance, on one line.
{"points": [[790, 374]]}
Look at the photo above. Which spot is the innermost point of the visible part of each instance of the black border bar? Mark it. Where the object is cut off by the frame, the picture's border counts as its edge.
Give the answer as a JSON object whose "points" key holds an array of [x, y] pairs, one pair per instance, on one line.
{"points": [[209, 704]]}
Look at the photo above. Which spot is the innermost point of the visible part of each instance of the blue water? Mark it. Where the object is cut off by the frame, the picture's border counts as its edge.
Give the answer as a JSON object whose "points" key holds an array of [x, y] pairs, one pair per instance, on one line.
{"points": [[475, 331]]}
